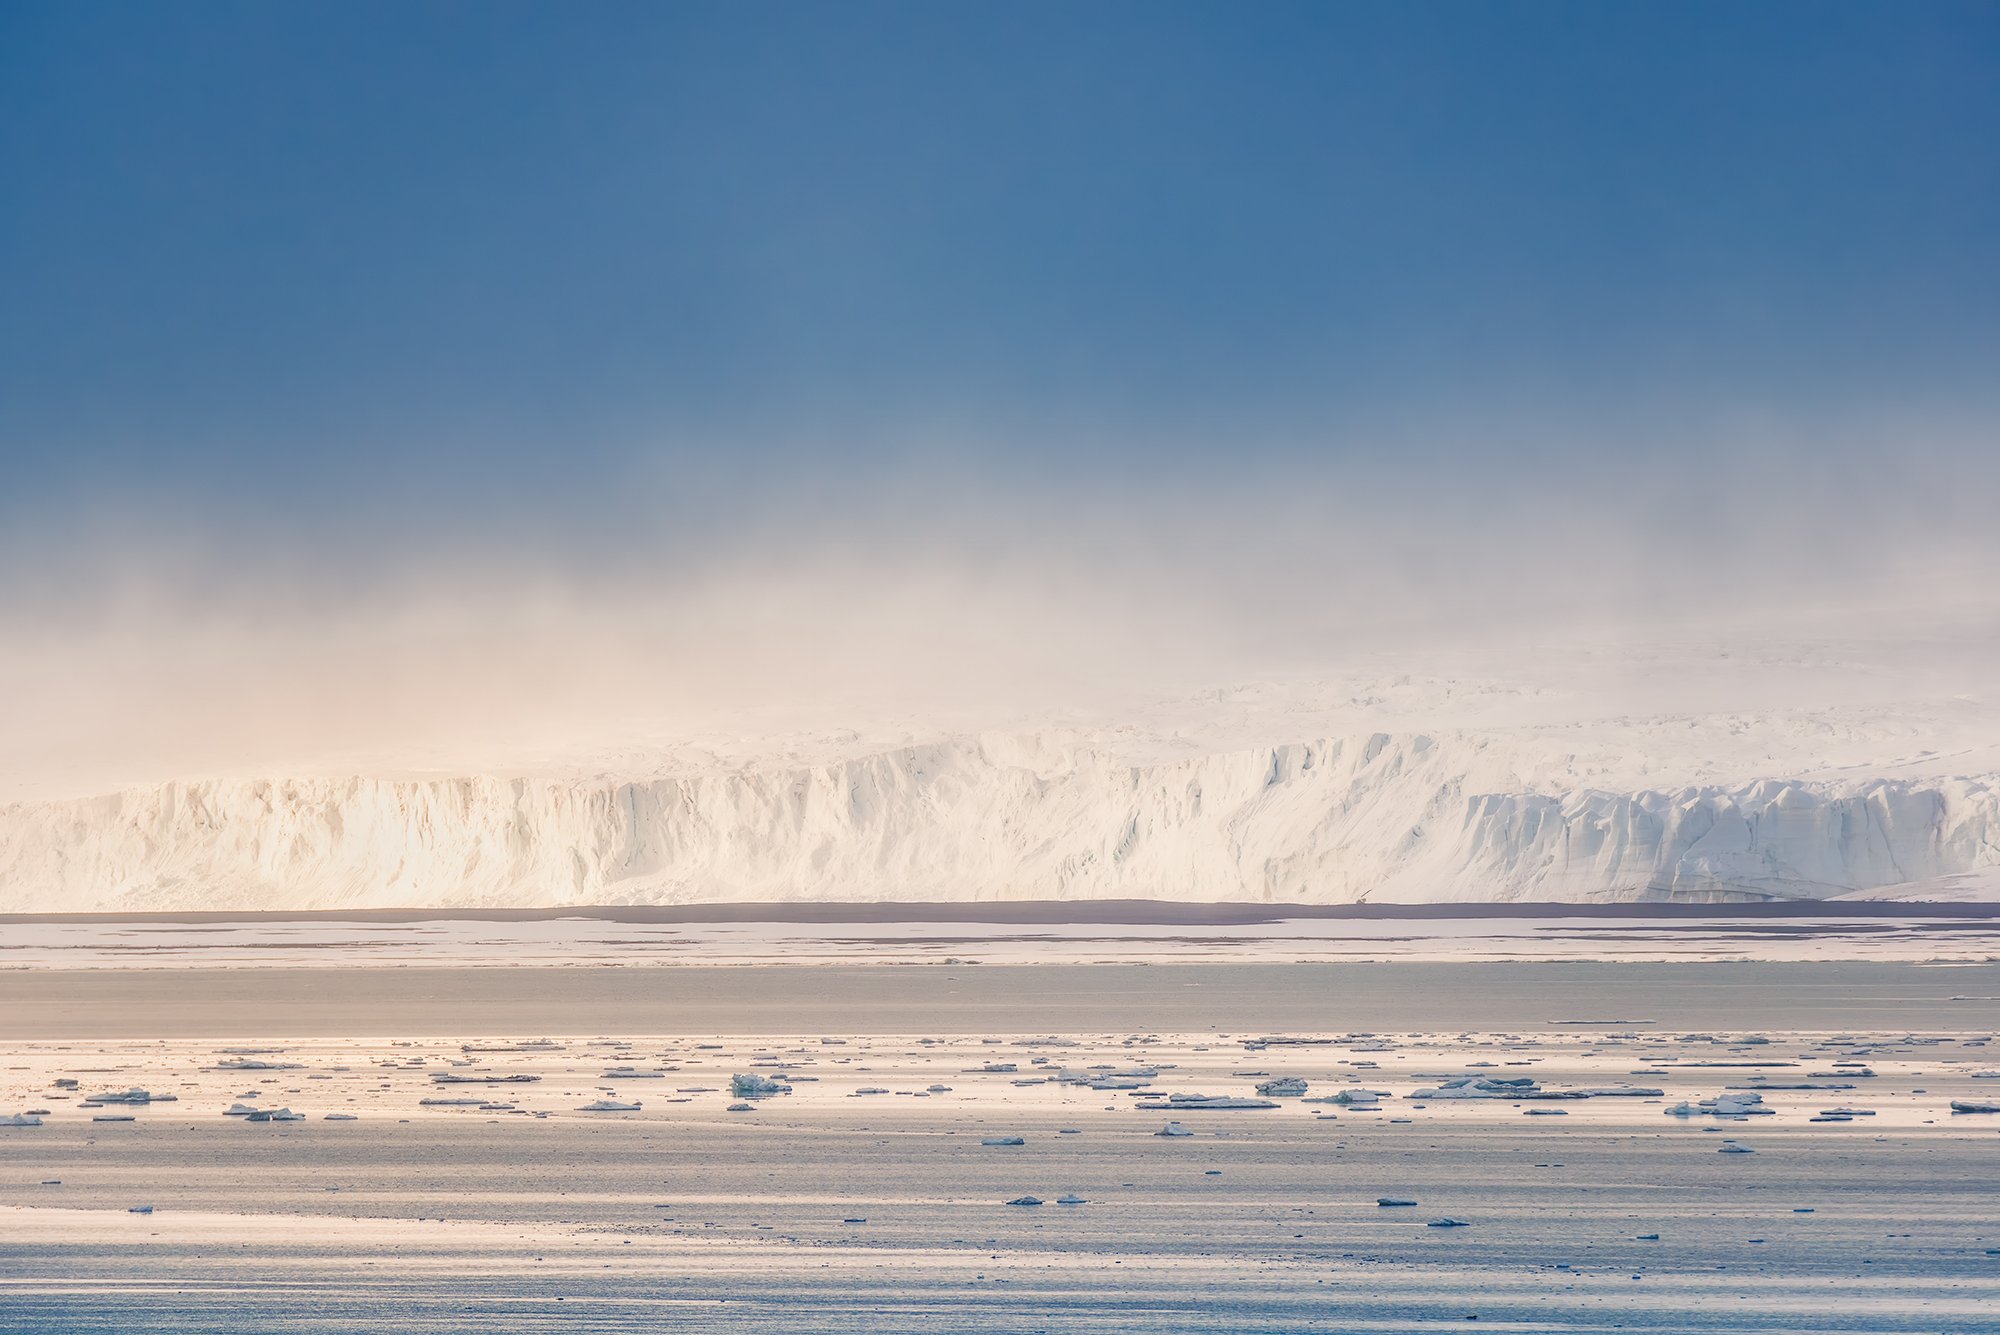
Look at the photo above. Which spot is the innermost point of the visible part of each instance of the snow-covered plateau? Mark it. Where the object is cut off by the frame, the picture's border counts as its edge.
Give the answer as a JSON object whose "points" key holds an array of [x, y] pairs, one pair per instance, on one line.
{"points": [[1705, 771]]}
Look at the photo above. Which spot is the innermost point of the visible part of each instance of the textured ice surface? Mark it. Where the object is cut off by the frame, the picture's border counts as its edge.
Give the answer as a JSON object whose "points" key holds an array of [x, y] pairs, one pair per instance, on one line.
{"points": [[1382, 817]]}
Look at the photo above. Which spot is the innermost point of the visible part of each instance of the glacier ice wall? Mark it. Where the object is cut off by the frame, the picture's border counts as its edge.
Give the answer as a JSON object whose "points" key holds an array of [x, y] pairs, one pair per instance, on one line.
{"points": [[1379, 817]]}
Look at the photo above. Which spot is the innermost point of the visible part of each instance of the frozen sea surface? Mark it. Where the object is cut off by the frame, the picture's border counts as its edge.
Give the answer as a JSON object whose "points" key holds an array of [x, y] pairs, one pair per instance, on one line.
{"points": [[828, 1208]]}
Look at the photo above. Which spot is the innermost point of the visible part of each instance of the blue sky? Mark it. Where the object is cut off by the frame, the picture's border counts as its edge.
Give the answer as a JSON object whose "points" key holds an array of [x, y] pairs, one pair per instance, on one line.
{"points": [[464, 266]]}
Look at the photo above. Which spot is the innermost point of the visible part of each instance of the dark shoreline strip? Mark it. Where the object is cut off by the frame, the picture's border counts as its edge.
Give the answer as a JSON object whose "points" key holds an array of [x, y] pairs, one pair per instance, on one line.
{"points": [[1147, 912]]}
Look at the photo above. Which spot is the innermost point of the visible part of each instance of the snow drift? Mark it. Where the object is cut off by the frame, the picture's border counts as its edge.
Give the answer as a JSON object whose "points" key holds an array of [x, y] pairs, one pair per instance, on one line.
{"points": [[1383, 817]]}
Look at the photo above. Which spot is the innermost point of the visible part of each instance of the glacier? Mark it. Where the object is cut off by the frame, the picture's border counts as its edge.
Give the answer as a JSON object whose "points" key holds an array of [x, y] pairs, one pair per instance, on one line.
{"points": [[1368, 817]]}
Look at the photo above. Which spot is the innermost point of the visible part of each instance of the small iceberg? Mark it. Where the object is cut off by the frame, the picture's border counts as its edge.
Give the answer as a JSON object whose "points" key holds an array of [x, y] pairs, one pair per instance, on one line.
{"points": [[755, 1087], [1288, 1087], [609, 1105], [1448, 1222], [1388, 1201], [1733, 1148], [1173, 1129], [1069, 1198], [1973, 1106], [1026, 1200], [20, 1119]]}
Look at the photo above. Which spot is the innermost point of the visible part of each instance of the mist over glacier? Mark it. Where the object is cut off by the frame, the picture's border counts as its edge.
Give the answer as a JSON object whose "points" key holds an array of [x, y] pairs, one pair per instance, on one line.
{"points": [[1311, 695]]}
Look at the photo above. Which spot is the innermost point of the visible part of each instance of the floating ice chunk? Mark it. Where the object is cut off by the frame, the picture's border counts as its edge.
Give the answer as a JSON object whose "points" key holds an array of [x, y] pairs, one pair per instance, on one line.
{"points": [[452, 1078], [755, 1087], [1738, 1104], [608, 1105], [20, 1119], [1390, 1201], [1741, 1104], [1482, 1087], [1003, 1140], [250, 1064], [1026, 1200], [1448, 1222], [1173, 1129], [1069, 1198], [1973, 1106], [1287, 1087], [1733, 1148]]}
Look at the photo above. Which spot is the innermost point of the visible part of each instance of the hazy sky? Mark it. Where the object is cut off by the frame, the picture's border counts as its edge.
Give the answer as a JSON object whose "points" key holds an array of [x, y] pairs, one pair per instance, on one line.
{"points": [[302, 300], [483, 259]]}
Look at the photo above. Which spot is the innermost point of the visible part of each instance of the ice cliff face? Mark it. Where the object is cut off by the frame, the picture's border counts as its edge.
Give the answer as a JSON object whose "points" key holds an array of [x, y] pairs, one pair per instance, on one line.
{"points": [[1376, 817]]}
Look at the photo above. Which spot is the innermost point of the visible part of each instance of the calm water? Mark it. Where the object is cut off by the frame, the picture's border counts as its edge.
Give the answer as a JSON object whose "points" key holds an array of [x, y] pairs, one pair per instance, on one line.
{"points": [[994, 999]]}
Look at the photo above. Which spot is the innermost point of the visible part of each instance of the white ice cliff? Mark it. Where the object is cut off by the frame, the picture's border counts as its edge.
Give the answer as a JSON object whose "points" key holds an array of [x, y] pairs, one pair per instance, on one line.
{"points": [[1403, 816]]}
